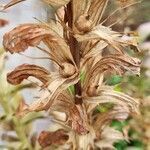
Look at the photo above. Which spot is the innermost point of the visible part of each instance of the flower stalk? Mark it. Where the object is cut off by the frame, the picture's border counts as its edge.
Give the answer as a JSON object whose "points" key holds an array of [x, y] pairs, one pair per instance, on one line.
{"points": [[75, 50]]}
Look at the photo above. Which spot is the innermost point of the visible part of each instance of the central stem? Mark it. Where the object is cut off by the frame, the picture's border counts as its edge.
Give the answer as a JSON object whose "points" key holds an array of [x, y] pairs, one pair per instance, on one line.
{"points": [[75, 50]]}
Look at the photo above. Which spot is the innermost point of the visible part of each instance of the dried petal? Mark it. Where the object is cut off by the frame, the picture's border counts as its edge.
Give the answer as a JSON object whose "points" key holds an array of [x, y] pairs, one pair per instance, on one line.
{"points": [[75, 114], [23, 36], [58, 137], [79, 8], [107, 139], [78, 120], [102, 120], [93, 10], [56, 86], [24, 71], [108, 95], [109, 36], [114, 63], [98, 32], [57, 3], [96, 10], [95, 51], [63, 102]]}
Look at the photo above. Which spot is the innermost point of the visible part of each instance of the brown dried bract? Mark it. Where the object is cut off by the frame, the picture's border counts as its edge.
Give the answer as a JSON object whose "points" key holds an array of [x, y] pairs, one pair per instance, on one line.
{"points": [[24, 71], [96, 10], [23, 36], [78, 120], [57, 3], [118, 64], [58, 137]]}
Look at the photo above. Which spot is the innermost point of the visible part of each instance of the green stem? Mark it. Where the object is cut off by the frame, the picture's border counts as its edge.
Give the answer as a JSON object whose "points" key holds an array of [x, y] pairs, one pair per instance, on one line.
{"points": [[20, 130], [18, 126]]}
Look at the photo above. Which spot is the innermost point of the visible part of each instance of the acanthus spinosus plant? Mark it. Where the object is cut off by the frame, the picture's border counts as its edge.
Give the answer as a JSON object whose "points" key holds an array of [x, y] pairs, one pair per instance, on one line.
{"points": [[85, 53]]}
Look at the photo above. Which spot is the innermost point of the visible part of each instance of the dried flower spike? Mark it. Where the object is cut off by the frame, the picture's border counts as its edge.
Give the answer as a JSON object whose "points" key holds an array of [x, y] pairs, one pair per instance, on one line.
{"points": [[85, 53]]}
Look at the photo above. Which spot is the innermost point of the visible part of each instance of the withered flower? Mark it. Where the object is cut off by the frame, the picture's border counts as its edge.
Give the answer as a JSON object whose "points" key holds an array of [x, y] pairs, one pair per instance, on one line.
{"points": [[85, 52], [23, 36], [58, 137]]}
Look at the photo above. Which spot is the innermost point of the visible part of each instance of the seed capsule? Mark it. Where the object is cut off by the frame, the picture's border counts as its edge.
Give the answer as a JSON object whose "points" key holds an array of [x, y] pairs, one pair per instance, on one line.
{"points": [[67, 70], [92, 90], [84, 24]]}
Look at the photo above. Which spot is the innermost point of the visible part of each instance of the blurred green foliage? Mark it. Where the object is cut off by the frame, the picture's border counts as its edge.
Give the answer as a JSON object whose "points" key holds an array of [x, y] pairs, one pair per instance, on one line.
{"points": [[15, 131]]}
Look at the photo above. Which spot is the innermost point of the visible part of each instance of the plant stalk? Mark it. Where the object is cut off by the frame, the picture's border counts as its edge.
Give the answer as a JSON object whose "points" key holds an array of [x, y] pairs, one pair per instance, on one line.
{"points": [[75, 50]]}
